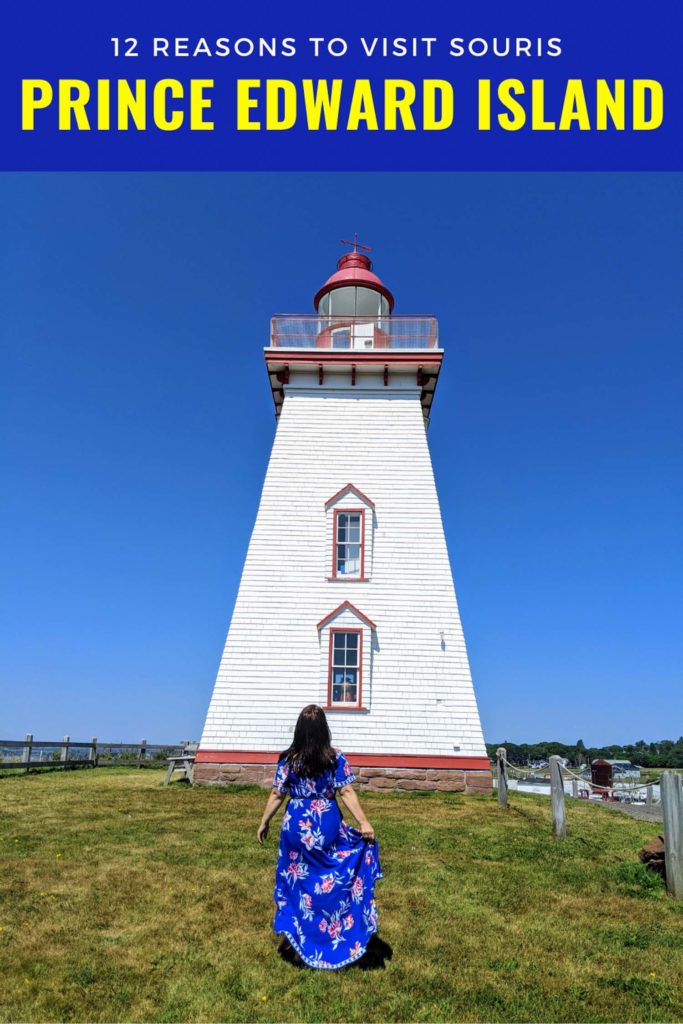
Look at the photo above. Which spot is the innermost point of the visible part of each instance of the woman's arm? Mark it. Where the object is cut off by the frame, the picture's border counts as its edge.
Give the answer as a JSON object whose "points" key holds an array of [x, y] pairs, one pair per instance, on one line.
{"points": [[273, 804], [352, 803]]}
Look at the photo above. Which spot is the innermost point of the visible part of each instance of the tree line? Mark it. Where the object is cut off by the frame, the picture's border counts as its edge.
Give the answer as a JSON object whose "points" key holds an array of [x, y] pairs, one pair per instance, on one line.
{"points": [[660, 754]]}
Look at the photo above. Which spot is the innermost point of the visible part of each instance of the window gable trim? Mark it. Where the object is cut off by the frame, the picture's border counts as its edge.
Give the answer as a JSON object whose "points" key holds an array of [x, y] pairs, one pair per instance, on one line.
{"points": [[345, 489], [343, 607]]}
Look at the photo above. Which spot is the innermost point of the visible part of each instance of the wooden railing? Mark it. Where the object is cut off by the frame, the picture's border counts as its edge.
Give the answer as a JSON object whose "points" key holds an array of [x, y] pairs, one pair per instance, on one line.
{"points": [[29, 753]]}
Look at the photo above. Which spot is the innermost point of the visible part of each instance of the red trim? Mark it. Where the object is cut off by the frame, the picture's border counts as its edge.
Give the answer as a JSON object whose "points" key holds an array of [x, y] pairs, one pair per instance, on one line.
{"points": [[236, 757], [341, 707], [346, 707], [351, 607], [316, 357], [350, 487], [347, 579], [419, 761], [444, 761], [401, 316], [343, 511]]}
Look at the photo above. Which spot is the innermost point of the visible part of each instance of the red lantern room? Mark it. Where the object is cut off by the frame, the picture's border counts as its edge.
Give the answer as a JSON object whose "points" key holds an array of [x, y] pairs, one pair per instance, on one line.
{"points": [[352, 302], [354, 290]]}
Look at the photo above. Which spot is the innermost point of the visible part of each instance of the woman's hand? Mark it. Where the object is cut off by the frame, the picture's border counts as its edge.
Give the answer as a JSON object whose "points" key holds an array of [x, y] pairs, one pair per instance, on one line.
{"points": [[351, 801], [262, 832], [274, 801], [367, 830]]}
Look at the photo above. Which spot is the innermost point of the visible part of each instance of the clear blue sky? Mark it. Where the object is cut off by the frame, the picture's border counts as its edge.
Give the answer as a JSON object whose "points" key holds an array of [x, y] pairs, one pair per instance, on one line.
{"points": [[137, 422]]}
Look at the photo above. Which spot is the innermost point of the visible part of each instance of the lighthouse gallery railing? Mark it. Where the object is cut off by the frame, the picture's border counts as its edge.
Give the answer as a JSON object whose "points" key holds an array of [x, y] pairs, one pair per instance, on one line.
{"points": [[354, 332]]}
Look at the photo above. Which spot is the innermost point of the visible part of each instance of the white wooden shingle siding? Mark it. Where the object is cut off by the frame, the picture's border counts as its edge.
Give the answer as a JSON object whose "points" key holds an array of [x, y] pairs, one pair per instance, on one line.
{"points": [[416, 677]]}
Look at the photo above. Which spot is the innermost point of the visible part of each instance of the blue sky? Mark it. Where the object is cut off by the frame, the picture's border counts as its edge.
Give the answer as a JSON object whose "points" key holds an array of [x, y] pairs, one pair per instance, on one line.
{"points": [[137, 422]]}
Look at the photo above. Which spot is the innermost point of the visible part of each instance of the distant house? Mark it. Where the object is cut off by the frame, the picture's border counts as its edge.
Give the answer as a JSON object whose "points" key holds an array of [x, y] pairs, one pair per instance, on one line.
{"points": [[624, 769]]}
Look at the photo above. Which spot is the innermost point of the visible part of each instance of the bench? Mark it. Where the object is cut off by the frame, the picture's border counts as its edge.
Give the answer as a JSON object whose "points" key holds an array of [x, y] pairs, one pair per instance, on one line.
{"points": [[183, 763]]}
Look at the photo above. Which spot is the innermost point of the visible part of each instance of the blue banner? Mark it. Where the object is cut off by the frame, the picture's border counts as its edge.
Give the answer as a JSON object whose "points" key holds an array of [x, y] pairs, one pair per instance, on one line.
{"points": [[429, 86]]}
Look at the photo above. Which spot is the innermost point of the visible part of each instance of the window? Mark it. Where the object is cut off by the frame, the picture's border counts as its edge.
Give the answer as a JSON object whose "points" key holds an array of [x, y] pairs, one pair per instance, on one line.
{"points": [[344, 685], [349, 539], [353, 301], [346, 646], [349, 528], [341, 338]]}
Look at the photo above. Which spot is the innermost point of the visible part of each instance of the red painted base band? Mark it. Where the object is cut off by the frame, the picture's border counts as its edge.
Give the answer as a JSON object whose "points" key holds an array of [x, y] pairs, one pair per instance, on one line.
{"points": [[360, 760]]}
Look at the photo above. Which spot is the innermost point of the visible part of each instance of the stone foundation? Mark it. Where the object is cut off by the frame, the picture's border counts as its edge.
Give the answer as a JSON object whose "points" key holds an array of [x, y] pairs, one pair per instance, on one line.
{"points": [[234, 774], [444, 780], [403, 779]]}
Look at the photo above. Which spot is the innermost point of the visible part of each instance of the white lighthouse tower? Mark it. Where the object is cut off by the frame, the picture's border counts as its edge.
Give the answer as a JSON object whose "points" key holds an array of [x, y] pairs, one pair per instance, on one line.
{"points": [[346, 598]]}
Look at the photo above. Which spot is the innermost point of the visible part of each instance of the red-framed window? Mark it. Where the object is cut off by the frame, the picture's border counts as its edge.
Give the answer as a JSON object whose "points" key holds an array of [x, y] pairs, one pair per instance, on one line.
{"points": [[348, 544], [345, 675]]}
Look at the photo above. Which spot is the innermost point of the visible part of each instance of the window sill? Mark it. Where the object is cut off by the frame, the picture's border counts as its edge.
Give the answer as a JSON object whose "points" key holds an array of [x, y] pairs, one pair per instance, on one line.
{"points": [[340, 707], [348, 579]]}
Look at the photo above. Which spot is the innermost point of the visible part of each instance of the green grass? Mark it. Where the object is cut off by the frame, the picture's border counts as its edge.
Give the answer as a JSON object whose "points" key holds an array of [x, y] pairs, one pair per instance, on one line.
{"points": [[122, 900], [652, 774]]}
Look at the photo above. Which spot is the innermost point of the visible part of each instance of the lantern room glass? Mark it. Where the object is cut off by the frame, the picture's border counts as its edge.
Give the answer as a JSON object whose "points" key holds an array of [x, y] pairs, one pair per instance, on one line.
{"points": [[353, 301]]}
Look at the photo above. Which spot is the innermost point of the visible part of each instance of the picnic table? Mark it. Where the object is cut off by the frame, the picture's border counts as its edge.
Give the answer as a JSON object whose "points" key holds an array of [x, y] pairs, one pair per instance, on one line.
{"points": [[183, 763]]}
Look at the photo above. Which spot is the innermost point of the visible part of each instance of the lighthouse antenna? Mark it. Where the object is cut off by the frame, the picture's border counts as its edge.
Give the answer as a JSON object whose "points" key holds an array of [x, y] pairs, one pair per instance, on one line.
{"points": [[356, 244]]}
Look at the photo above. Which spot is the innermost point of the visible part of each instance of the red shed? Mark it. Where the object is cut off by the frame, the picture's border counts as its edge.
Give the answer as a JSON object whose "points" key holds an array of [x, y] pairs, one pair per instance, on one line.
{"points": [[601, 772]]}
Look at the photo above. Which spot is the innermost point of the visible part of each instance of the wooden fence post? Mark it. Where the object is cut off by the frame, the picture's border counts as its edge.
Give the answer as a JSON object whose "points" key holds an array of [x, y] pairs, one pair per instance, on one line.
{"points": [[672, 806], [65, 749], [557, 797], [26, 752], [93, 751], [575, 787], [501, 776], [141, 751], [648, 797]]}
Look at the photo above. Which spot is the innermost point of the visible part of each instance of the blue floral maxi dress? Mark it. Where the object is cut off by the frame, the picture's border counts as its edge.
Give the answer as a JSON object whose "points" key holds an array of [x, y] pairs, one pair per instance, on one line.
{"points": [[326, 872]]}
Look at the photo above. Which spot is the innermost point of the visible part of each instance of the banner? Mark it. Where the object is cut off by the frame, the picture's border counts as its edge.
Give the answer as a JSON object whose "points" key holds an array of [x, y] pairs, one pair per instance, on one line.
{"points": [[496, 86]]}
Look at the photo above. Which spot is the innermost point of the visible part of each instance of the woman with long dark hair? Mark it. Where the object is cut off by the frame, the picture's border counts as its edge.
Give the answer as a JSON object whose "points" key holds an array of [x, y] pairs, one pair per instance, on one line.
{"points": [[326, 869]]}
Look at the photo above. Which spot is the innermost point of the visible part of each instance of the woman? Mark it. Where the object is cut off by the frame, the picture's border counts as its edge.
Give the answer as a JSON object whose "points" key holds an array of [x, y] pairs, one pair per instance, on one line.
{"points": [[326, 870]]}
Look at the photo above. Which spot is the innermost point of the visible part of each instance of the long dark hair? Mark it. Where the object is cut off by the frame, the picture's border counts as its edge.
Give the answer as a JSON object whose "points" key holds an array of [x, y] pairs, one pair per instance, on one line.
{"points": [[311, 752]]}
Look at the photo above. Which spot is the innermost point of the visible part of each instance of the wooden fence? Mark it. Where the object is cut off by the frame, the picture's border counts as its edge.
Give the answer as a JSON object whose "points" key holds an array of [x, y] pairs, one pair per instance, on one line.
{"points": [[22, 755]]}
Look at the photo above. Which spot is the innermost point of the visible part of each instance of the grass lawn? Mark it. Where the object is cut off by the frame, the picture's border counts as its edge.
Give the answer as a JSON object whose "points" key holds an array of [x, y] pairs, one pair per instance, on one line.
{"points": [[121, 900], [652, 774]]}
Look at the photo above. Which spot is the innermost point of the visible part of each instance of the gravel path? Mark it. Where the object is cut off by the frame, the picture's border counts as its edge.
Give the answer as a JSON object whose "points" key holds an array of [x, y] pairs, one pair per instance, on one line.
{"points": [[636, 810]]}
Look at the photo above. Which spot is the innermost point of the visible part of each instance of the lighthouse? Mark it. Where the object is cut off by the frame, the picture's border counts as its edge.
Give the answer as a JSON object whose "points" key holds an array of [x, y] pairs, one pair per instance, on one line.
{"points": [[346, 597]]}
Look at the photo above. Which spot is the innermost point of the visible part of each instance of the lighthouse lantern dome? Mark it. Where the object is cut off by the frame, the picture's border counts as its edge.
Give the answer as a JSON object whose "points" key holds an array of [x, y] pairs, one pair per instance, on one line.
{"points": [[354, 290]]}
